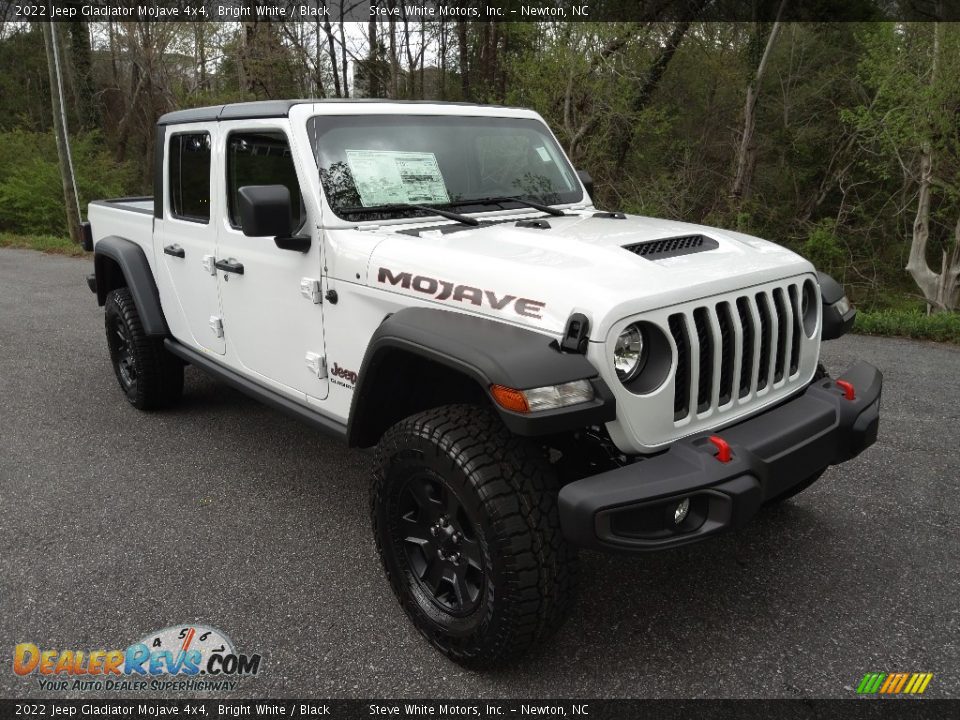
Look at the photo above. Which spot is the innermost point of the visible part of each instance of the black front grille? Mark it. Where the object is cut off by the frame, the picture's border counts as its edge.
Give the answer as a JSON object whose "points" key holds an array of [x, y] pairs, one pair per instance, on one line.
{"points": [[672, 247], [754, 330]]}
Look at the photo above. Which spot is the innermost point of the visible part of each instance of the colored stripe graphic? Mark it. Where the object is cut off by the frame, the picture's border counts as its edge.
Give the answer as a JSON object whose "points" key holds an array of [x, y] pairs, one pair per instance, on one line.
{"points": [[894, 683]]}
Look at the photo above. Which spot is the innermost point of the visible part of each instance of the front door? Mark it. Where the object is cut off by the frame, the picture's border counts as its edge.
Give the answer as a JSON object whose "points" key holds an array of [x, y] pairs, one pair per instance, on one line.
{"points": [[273, 319]]}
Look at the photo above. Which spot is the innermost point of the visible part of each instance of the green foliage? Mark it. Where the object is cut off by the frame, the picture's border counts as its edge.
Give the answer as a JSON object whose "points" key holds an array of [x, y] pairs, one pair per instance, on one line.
{"points": [[942, 327], [31, 193], [823, 248], [44, 243]]}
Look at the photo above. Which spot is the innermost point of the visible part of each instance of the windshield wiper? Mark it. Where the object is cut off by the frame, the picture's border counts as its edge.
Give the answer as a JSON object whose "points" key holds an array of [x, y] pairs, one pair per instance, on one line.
{"points": [[510, 198], [464, 219]]}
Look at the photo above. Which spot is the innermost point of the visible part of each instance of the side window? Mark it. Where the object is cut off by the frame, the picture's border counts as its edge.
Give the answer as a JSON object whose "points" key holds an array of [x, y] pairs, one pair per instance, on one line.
{"points": [[261, 158], [189, 168]]}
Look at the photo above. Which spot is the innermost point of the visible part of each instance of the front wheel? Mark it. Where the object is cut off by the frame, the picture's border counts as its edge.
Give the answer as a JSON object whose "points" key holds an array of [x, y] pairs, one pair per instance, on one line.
{"points": [[466, 524]]}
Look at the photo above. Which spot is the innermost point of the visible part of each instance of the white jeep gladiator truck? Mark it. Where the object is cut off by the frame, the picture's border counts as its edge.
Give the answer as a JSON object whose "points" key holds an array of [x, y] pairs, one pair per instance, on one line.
{"points": [[433, 281]]}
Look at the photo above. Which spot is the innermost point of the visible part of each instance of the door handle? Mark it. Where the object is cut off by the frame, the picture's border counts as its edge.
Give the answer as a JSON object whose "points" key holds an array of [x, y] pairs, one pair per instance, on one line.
{"points": [[230, 265], [174, 250]]}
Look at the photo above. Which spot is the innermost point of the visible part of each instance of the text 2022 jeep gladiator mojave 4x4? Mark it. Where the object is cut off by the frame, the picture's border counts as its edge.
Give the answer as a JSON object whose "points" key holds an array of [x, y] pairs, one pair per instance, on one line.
{"points": [[432, 280]]}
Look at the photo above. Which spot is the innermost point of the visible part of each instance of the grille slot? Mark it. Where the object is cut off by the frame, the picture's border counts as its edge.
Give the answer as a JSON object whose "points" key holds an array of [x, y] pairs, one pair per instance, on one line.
{"points": [[672, 247], [678, 328], [735, 349], [705, 340], [763, 374], [746, 365], [726, 352], [795, 314]]}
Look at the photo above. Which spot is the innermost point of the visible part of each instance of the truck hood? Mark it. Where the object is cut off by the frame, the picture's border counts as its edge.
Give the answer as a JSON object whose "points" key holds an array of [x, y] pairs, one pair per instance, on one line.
{"points": [[538, 277]]}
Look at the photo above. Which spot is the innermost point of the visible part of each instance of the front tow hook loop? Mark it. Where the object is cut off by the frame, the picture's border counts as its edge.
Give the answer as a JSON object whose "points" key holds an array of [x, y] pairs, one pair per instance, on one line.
{"points": [[723, 448], [847, 388]]}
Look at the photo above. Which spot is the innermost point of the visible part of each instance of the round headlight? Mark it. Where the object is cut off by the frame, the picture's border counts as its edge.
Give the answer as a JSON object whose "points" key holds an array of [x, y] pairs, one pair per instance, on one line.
{"points": [[628, 353]]}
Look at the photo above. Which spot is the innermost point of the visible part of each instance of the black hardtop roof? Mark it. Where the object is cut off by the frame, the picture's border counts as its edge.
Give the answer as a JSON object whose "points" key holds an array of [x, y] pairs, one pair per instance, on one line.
{"points": [[277, 108]]}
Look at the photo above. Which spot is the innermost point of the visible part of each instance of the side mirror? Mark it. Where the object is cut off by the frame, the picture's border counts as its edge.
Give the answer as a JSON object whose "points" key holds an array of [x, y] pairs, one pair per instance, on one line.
{"points": [[264, 211], [587, 181]]}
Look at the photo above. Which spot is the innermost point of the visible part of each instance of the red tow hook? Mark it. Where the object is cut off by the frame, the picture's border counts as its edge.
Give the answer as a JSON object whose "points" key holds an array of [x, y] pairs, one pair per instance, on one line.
{"points": [[847, 388], [723, 448]]}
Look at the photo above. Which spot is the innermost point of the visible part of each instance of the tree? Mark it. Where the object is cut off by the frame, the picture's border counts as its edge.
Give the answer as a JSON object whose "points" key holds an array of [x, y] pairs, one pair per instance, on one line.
{"points": [[70, 202], [746, 150], [911, 129]]}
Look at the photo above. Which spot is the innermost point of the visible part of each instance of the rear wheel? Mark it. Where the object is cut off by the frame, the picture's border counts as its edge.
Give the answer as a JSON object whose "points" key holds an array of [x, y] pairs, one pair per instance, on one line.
{"points": [[149, 376], [466, 524]]}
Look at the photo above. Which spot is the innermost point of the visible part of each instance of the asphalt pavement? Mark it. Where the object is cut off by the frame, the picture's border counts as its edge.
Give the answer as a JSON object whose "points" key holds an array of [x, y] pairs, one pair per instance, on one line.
{"points": [[116, 523]]}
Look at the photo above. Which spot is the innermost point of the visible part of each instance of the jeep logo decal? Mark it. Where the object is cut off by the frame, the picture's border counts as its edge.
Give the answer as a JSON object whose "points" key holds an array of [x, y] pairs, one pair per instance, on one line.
{"points": [[444, 290], [348, 375]]}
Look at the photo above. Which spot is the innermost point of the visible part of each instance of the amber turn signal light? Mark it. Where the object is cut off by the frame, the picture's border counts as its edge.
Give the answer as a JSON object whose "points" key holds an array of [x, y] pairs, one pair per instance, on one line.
{"points": [[510, 399]]}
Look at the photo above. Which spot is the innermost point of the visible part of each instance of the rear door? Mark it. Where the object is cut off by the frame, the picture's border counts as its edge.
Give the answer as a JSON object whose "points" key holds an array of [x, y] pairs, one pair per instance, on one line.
{"points": [[272, 313], [186, 238]]}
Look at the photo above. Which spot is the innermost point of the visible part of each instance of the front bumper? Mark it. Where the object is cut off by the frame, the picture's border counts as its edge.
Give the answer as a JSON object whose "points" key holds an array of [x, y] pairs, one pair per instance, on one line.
{"points": [[632, 508]]}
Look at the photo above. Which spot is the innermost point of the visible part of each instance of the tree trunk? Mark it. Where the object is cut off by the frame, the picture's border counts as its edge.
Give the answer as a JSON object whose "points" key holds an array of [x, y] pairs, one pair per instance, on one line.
{"points": [[747, 151], [332, 48], [939, 289], [394, 60], [201, 48], [83, 90], [71, 205], [442, 81], [464, 56], [373, 61], [645, 91], [343, 54]]}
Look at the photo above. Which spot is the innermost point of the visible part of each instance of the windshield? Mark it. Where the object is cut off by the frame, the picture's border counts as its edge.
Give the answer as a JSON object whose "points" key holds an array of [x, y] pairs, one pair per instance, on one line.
{"points": [[371, 162]]}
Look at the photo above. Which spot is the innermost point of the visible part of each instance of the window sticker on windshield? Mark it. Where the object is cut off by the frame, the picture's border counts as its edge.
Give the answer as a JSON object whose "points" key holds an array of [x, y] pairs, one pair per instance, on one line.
{"points": [[544, 155], [384, 177]]}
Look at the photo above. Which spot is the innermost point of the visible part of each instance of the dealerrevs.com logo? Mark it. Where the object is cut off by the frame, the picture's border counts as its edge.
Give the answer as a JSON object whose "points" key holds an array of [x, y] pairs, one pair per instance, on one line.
{"points": [[180, 657]]}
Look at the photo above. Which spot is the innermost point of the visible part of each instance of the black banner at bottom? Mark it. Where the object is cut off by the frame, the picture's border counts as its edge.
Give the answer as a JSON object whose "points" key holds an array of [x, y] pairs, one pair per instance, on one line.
{"points": [[908, 709]]}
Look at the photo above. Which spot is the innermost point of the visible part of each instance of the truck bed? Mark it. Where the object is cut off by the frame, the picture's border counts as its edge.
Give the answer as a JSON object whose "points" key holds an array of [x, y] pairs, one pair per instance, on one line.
{"points": [[130, 218], [140, 204]]}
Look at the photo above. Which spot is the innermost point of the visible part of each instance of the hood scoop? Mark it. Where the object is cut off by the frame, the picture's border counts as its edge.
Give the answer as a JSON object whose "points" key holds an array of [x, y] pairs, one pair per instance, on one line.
{"points": [[672, 247]]}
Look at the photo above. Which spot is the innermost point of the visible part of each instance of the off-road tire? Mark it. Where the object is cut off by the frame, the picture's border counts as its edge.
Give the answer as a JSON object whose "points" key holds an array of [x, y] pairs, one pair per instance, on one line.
{"points": [[149, 376], [508, 495]]}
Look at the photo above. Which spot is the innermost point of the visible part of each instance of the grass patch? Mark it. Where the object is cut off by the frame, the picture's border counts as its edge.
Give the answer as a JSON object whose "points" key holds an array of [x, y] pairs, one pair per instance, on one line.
{"points": [[42, 243], [942, 327]]}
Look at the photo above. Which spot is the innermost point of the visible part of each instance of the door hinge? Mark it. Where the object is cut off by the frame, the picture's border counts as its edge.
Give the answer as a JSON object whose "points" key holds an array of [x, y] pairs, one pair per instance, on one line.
{"points": [[210, 264], [310, 289], [317, 364], [216, 324]]}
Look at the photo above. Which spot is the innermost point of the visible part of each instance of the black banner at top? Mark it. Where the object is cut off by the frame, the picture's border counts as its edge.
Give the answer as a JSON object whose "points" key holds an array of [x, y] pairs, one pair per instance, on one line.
{"points": [[479, 10]]}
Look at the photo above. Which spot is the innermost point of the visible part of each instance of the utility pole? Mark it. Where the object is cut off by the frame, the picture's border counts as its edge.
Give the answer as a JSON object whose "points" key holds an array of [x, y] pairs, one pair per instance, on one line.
{"points": [[70, 202]]}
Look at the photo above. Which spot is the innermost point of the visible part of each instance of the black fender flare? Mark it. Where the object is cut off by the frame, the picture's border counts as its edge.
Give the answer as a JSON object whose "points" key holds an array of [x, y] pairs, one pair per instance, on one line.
{"points": [[132, 262], [487, 352]]}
